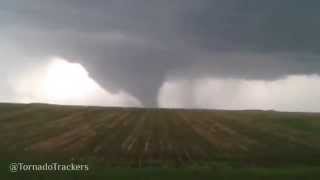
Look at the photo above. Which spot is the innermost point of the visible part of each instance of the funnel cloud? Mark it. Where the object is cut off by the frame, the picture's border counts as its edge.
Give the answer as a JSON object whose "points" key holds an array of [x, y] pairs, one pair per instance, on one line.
{"points": [[171, 53]]}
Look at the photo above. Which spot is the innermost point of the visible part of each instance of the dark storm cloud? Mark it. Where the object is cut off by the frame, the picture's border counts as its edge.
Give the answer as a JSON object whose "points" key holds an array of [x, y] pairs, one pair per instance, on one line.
{"points": [[256, 25], [136, 45]]}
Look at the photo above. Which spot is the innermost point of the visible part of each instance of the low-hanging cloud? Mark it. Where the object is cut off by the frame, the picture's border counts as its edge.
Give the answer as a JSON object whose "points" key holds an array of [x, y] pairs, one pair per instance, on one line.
{"points": [[134, 46], [59, 81], [292, 93]]}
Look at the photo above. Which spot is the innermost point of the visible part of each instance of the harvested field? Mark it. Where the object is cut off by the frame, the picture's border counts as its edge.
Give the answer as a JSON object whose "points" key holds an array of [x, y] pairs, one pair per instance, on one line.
{"points": [[158, 137]]}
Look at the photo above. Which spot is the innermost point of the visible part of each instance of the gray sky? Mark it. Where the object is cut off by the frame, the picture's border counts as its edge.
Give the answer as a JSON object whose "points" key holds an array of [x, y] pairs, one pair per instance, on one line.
{"points": [[138, 47]]}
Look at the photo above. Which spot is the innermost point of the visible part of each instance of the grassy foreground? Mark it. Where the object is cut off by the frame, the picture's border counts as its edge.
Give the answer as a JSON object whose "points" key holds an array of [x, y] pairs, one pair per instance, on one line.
{"points": [[174, 174], [131, 143]]}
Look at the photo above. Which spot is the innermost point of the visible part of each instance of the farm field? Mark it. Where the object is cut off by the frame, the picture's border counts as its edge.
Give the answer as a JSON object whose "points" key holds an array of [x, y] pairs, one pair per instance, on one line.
{"points": [[126, 143]]}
